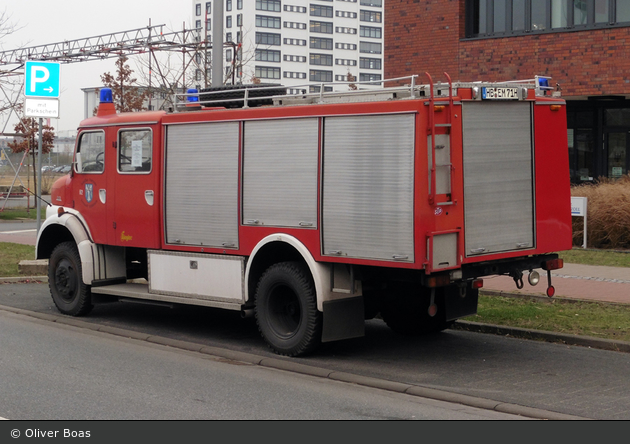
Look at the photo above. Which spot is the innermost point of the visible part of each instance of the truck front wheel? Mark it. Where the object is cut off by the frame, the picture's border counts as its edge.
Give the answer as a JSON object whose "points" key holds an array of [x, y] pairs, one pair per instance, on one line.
{"points": [[70, 294], [286, 309]]}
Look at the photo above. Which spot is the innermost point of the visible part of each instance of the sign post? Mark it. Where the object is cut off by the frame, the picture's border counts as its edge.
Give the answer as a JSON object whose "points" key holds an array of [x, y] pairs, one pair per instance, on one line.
{"points": [[41, 91], [579, 208]]}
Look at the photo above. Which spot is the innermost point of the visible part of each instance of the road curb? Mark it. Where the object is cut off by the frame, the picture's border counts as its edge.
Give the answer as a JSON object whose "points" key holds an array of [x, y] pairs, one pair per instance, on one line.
{"points": [[288, 365]]}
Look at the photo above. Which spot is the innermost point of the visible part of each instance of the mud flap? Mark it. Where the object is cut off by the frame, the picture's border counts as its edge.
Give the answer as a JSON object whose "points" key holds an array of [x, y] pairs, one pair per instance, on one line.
{"points": [[457, 306], [343, 319]]}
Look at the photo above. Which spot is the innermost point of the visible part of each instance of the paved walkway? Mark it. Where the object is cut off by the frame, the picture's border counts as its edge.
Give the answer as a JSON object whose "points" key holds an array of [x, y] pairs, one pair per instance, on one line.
{"points": [[588, 282]]}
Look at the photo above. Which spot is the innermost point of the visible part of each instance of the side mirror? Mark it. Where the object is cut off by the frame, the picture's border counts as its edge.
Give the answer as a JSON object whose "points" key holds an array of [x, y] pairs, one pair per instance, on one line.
{"points": [[77, 163]]}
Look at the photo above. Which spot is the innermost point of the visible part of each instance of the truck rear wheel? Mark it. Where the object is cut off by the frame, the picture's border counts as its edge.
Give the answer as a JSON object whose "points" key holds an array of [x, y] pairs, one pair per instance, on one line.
{"points": [[407, 312], [70, 294], [286, 309]]}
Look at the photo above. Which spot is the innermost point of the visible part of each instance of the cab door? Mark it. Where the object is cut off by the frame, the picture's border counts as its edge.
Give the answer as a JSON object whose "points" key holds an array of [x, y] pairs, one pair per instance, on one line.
{"points": [[134, 209], [90, 182]]}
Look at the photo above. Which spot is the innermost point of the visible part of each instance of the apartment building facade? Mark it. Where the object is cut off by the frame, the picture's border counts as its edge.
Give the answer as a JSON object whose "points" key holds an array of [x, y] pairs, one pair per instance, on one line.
{"points": [[300, 44], [583, 45]]}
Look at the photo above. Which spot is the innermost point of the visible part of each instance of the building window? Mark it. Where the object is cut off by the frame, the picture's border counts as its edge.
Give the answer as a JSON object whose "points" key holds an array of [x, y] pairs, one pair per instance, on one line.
{"points": [[492, 18], [267, 72], [265, 21], [239, 4], [317, 88], [294, 58], [198, 24], [228, 5], [294, 25], [346, 14], [228, 21], [321, 43], [345, 30], [321, 59], [295, 42], [228, 55], [316, 75], [370, 31], [292, 8], [239, 39], [369, 77], [369, 63], [370, 48], [321, 11], [377, 3], [370, 16], [296, 91], [268, 38], [267, 55], [198, 9], [268, 5], [294, 75], [345, 62], [239, 19], [322, 27], [228, 36], [349, 46]]}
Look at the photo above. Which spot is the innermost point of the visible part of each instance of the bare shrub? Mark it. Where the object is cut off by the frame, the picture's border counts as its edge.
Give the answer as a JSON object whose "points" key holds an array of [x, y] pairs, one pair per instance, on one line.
{"points": [[608, 213]]}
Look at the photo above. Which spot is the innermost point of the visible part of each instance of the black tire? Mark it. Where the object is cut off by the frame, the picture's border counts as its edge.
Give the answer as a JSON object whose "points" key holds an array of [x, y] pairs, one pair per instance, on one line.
{"points": [[70, 294], [286, 310], [407, 312]]}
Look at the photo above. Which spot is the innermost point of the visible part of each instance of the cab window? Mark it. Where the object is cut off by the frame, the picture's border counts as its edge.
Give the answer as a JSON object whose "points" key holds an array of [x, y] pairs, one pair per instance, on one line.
{"points": [[91, 152], [135, 151]]}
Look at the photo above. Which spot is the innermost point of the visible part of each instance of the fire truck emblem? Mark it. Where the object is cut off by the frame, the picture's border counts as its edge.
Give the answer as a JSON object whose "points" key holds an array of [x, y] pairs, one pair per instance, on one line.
{"points": [[89, 192]]}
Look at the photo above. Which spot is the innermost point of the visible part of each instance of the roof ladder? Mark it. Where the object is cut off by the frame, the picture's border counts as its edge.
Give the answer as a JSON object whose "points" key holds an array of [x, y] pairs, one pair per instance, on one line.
{"points": [[443, 148]]}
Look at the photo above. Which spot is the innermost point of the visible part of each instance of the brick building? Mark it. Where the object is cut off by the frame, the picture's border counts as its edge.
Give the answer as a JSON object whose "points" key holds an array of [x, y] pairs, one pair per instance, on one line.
{"points": [[584, 45]]}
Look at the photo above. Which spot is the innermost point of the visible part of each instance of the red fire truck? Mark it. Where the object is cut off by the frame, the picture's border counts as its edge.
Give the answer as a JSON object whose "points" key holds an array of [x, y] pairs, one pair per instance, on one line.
{"points": [[315, 213]]}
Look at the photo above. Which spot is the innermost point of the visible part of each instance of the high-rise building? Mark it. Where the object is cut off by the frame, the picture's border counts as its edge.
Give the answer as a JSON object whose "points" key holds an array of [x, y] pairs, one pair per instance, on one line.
{"points": [[296, 42]]}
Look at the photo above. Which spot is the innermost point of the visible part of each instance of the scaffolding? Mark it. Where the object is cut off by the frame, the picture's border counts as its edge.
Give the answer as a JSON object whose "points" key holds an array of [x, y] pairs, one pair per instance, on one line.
{"points": [[192, 44]]}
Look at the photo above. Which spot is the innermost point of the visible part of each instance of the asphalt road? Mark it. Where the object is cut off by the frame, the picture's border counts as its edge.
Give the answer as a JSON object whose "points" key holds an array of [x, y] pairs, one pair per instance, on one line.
{"points": [[52, 372], [571, 380]]}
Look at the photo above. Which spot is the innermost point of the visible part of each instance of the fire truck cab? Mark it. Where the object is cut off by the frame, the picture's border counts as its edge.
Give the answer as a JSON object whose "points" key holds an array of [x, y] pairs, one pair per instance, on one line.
{"points": [[314, 213]]}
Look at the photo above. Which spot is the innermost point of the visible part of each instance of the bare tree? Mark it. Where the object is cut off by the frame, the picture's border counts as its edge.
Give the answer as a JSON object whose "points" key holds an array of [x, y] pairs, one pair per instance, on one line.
{"points": [[126, 93]]}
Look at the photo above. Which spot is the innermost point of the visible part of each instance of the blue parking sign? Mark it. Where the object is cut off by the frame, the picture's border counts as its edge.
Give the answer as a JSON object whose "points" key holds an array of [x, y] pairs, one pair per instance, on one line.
{"points": [[42, 79]]}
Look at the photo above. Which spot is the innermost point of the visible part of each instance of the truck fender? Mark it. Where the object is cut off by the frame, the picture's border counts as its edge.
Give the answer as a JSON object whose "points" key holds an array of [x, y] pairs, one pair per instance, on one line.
{"points": [[72, 223], [343, 309], [321, 272]]}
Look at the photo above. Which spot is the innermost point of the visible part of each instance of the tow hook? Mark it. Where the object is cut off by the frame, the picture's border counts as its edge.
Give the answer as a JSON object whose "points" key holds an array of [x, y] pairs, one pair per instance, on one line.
{"points": [[517, 275]]}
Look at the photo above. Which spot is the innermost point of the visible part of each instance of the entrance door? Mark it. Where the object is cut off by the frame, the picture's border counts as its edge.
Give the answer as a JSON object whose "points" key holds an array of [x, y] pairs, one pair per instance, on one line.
{"points": [[616, 151]]}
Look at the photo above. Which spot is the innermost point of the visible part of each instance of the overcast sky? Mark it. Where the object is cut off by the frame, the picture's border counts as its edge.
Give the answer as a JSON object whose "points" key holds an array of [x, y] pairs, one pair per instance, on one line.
{"points": [[50, 21]]}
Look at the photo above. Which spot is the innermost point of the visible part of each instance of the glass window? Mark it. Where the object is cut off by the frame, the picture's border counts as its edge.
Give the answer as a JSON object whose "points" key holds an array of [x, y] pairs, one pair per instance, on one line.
{"points": [[602, 11], [377, 3], [321, 43], [500, 16], [267, 38], [370, 48], [622, 8], [518, 15], [370, 16], [539, 15], [198, 9], [617, 117], [239, 19], [321, 59], [321, 11], [267, 55], [228, 5], [239, 4], [268, 5], [208, 7], [228, 21], [316, 75], [323, 27], [91, 150], [265, 21], [559, 14], [369, 63], [135, 148], [580, 12], [370, 31], [267, 72]]}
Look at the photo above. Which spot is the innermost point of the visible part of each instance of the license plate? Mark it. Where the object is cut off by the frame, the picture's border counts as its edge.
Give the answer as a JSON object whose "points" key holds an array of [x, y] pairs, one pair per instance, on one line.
{"points": [[499, 93]]}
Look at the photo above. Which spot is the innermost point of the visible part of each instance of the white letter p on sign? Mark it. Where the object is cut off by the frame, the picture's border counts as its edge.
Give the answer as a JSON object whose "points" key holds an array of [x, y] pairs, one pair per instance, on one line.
{"points": [[35, 80]]}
